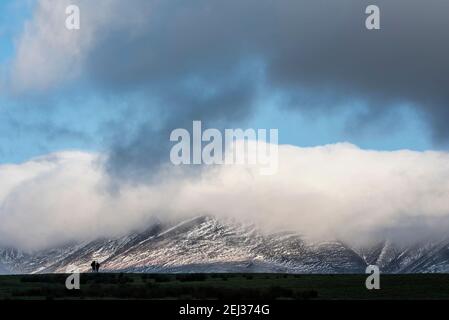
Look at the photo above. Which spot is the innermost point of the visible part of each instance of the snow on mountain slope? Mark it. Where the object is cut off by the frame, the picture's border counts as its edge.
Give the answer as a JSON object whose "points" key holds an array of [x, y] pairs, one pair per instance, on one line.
{"points": [[205, 244], [430, 258]]}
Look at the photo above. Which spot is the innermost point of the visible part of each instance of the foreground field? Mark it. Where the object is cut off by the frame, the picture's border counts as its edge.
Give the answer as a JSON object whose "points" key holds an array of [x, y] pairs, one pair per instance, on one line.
{"points": [[223, 286]]}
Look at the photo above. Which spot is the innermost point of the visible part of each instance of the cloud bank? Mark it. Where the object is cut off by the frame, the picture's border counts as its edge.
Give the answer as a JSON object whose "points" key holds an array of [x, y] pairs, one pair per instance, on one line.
{"points": [[326, 192]]}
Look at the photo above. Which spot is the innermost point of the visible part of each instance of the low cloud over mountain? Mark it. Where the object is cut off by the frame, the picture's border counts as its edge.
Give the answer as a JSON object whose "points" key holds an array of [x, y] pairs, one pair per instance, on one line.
{"points": [[325, 192]]}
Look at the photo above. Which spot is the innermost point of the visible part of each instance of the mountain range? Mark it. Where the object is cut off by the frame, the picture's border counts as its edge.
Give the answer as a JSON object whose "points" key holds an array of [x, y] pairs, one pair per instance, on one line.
{"points": [[207, 244]]}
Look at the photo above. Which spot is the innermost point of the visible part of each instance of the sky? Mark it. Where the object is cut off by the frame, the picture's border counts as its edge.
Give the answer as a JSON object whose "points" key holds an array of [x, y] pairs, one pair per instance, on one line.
{"points": [[112, 92], [76, 118]]}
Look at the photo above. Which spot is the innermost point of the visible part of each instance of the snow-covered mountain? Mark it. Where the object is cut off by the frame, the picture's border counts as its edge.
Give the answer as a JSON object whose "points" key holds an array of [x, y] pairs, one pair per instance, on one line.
{"points": [[205, 244]]}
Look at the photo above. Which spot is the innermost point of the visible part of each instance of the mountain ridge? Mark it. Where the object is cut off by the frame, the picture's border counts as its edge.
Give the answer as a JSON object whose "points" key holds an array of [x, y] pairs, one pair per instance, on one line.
{"points": [[206, 244]]}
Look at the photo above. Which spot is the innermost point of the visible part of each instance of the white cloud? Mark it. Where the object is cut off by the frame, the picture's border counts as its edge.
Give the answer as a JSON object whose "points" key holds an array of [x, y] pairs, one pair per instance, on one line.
{"points": [[322, 192], [48, 54]]}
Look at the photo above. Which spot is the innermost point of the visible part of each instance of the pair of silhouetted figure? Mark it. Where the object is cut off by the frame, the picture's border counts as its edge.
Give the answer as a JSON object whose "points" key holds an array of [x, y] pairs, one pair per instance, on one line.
{"points": [[95, 266]]}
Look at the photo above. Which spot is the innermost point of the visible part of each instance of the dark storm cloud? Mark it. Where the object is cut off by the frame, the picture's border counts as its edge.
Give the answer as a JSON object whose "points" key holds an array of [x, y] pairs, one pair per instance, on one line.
{"points": [[209, 60], [149, 147]]}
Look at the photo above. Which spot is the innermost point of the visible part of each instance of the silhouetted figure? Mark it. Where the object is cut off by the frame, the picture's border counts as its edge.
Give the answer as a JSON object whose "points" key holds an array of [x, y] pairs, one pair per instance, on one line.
{"points": [[97, 266], [93, 265]]}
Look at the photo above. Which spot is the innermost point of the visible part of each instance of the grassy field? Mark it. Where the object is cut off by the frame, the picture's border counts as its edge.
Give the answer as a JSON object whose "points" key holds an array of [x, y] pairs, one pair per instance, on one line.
{"points": [[223, 286]]}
